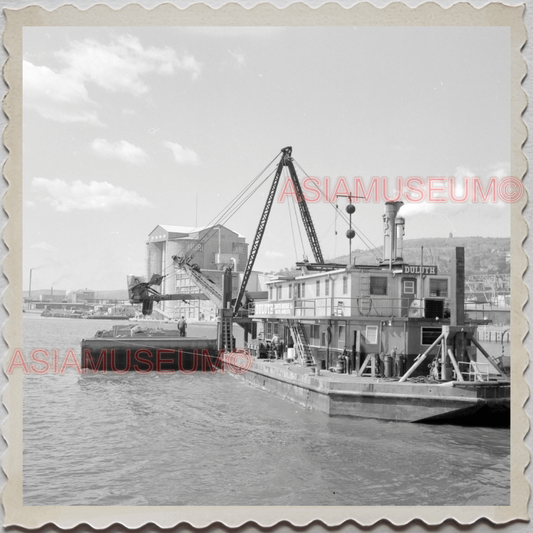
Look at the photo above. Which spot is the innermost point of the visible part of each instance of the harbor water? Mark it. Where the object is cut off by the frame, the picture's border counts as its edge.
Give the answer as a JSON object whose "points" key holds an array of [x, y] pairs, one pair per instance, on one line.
{"points": [[211, 439]]}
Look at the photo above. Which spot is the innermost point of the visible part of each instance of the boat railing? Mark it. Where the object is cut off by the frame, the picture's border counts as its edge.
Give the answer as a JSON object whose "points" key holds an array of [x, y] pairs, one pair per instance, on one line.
{"points": [[370, 306], [475, 371]]}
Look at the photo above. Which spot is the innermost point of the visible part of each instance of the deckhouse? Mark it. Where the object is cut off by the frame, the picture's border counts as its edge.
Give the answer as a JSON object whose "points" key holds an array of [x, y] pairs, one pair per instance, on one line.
{"points": [[362, 309]]}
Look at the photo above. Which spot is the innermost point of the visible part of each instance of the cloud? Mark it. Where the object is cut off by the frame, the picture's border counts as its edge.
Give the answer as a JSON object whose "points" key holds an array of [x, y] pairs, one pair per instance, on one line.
{"points": [[463, 181], [57, 95], [119, 65], [44, 246], [273, 255], [183, 156], [411, 209], [123, 150], [96, 195], [238, 56]]}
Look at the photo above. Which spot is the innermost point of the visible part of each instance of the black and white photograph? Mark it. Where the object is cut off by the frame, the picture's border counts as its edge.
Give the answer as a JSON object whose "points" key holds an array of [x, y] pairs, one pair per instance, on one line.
{"points": [[269, 265]]}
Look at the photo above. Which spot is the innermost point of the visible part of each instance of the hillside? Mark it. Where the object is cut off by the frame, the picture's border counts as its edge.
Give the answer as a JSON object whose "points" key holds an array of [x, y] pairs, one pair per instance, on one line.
{"points": [[483, 255]]}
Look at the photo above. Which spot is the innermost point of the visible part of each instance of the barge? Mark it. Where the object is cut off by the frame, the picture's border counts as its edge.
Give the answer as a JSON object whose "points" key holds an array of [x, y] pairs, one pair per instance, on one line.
{"points": [[134, 348]]}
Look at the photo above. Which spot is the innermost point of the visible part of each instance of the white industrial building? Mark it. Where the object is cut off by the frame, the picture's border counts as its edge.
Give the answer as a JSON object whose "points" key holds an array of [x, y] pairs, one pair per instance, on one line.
{"points": [[213, 248]]}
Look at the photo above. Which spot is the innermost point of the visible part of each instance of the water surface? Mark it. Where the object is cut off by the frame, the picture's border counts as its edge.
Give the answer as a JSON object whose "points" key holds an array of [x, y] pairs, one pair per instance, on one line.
{"points": [[202, 439]]}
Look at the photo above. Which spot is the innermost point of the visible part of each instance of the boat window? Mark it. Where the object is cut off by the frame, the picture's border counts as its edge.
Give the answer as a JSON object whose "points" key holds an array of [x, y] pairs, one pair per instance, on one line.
{"points": [[409, 287], [378, 285], [429, 335], [318, 288], [438, 287], [303, 290], [371, 334], [344, 285], [327, 287]]}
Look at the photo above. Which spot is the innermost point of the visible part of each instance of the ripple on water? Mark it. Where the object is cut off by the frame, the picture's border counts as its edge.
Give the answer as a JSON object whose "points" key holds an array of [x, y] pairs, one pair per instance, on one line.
{"points": [[213, 440]]}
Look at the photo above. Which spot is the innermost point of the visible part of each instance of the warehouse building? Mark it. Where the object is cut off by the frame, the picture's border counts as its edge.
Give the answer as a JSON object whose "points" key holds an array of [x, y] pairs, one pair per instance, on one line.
{"points": [[213, 248]]}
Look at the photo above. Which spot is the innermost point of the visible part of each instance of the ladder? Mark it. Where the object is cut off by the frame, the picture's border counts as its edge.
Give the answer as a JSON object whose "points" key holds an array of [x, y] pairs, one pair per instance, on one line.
{"points": [[365, 303], [302, 344], [226, 327]]}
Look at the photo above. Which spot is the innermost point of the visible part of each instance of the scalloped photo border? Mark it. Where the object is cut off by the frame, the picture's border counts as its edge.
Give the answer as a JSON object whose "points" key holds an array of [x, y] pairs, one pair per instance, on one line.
{"points": [[397, 14]]}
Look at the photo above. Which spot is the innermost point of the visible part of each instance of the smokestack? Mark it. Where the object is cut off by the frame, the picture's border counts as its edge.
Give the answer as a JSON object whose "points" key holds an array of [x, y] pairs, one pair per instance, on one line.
{"points": [[400, 232], [389, 231]]}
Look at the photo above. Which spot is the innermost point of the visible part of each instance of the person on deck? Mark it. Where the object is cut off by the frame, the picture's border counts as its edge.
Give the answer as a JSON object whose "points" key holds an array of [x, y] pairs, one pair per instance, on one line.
{"points": [[276, 346], [182, 326]]}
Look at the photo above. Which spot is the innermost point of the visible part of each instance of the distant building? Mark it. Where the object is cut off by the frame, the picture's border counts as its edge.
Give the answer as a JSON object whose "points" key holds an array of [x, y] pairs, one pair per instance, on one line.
{"points": [[82, 296]]}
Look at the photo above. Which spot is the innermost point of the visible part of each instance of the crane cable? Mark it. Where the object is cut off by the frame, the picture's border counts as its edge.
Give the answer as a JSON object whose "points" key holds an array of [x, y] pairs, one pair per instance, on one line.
{"points": [[229, 214], [361, 235], [230, 210], [298, 222], [292, 233]]}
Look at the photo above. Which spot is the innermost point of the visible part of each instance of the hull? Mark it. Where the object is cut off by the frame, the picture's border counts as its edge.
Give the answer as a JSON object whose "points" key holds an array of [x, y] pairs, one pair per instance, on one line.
{"points": [[347, 395], [157, 351]]}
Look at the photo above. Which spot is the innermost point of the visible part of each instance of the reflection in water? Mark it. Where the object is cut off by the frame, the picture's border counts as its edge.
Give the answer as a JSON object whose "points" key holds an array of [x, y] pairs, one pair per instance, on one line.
{"points": [[174, 439]]}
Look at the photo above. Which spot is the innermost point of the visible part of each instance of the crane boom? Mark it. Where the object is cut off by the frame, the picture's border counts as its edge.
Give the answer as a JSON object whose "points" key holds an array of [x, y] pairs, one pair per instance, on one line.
{"points": [[207, 286], [285, 160], [261, 228], [142, 292], [306, 216]]}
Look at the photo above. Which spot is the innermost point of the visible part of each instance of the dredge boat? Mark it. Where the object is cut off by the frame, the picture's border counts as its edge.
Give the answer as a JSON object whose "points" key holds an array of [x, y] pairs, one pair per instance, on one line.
{"points": [[389, 341]]}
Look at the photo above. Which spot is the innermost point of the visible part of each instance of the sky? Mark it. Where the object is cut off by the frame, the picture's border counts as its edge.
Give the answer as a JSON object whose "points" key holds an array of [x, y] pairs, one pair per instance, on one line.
{"points": [[128, 128]]}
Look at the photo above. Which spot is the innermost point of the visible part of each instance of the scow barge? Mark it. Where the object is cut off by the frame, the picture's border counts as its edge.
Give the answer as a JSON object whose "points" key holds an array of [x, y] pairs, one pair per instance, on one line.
{"points": [[140, 349]]}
